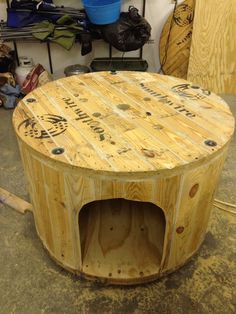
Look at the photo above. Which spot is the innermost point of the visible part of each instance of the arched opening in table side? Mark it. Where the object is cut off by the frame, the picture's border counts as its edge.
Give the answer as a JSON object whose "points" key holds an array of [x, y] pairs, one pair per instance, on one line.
{"points": [[121, 239]]}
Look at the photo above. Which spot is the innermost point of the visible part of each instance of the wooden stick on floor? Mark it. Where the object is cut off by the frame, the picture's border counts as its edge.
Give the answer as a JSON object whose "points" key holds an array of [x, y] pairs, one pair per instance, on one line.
{"points": [[14, 202]]}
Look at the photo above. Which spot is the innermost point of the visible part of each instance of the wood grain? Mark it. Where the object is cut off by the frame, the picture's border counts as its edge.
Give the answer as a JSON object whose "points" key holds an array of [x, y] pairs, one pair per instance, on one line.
{"points": [[113, 235], [212, 59], [194, 217], [161, 123], [134, 205], [175, 40]]}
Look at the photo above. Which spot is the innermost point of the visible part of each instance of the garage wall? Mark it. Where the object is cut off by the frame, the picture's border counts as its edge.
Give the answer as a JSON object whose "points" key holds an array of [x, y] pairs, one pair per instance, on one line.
{"points": [[156, 13]]}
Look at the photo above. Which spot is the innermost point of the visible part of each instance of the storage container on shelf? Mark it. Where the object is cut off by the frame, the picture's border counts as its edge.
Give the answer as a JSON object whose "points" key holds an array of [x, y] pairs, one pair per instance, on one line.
{"points": [[102, 12], [76, 69]]}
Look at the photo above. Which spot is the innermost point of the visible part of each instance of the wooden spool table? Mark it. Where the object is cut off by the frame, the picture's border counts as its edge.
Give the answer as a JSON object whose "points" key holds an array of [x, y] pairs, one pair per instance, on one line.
{"points": [[122, 169]]}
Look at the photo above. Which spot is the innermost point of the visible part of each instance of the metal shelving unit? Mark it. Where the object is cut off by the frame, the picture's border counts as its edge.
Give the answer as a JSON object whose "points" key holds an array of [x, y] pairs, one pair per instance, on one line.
{"points": [[16, 50], [47, 43], [49, 47]]}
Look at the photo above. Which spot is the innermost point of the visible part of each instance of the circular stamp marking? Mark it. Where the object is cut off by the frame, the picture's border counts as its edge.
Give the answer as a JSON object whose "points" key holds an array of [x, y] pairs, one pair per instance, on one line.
{"points": [[190, 91], [184, 15], [42, 127]]}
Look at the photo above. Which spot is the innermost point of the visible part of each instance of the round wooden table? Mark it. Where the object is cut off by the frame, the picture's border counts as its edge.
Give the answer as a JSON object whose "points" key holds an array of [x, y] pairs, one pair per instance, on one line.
{"points": [[122, 169]]}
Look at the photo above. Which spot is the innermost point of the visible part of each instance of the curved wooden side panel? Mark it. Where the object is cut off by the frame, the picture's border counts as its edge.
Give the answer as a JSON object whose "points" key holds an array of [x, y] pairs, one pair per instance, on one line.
{"points": [[55, 220], [113, 238], [192, 216]]}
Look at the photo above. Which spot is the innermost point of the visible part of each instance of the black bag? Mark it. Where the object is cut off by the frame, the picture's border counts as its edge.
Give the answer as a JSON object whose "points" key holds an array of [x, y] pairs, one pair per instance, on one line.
{"points": [[129, 33]]}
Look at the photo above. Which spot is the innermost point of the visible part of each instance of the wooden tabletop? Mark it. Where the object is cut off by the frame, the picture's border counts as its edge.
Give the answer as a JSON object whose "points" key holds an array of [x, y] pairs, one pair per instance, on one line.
{"points": [[123, 122]]}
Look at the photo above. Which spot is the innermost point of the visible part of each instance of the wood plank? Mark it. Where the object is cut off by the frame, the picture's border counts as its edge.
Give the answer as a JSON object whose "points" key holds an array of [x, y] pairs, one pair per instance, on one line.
{"points": [[194, 210], [212, 62]]}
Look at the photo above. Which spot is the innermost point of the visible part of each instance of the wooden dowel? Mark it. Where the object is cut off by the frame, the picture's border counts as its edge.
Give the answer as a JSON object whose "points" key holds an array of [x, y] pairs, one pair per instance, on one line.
{"points": [[14, 202], [224, 203], [224, 208]]}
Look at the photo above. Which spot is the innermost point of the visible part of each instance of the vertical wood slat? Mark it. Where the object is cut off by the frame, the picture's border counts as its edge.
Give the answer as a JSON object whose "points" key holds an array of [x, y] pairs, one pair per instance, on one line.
{"points": [[104, 240], [199, 186], [54, 218]]}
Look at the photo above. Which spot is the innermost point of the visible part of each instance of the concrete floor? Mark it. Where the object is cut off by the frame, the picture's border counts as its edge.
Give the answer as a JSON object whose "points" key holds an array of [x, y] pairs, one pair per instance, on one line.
{"points": [[30, 282]]}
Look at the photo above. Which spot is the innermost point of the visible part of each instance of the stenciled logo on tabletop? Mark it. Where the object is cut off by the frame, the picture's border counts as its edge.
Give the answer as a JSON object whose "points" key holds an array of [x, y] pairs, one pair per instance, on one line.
{"points": [[184, 15], [166, 100], [190, 91], [44, 126]]}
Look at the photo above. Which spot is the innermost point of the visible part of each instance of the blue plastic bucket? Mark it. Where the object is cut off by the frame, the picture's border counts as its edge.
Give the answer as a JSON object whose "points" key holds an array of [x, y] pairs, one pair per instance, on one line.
{"points": [[102, 11]]}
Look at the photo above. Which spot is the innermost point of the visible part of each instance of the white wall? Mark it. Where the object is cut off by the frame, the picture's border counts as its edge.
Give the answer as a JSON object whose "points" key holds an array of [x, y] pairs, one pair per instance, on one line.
{"points": [[156, 14]]}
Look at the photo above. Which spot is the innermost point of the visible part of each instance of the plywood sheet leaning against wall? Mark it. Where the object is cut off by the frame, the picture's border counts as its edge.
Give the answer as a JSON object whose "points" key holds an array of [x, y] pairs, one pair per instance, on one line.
{"points": [[175, 41], [212, 62]]}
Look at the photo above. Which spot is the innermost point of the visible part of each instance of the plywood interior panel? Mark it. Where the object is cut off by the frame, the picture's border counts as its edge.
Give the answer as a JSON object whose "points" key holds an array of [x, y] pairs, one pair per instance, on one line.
{"points": [[121, 238]]}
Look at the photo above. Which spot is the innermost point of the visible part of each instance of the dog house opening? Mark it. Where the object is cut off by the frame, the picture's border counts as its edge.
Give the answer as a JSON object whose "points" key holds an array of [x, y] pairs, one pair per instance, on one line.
{"points": [[121, 238]]}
